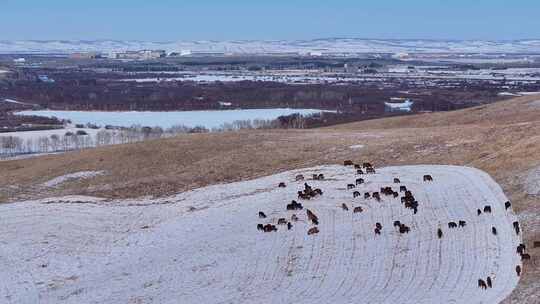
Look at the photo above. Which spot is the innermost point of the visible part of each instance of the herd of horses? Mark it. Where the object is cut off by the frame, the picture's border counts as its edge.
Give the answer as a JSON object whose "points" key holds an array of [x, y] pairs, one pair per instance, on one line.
{"points": [[407, 200]]}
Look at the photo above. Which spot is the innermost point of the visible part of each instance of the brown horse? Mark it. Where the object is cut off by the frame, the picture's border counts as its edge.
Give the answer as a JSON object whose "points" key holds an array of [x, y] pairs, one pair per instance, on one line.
{"points": [[396, 180], [348, 163], [313, 230], [428, 178], [299, 177], [518, 270], [312, 217], [482, 284], [357, 209]]}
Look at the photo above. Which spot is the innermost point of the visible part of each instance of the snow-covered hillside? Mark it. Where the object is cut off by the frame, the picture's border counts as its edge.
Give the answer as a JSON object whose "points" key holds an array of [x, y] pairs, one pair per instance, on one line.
{"points": [[328, 45], [203, 246]]}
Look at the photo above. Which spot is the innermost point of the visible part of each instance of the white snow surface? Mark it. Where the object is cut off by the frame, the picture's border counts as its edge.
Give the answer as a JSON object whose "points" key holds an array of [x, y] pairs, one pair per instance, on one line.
{"points": [[322, 46], [202, 246], [57, 181]]}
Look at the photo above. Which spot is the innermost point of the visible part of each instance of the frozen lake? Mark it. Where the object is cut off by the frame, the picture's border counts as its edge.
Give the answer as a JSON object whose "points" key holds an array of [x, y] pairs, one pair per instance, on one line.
{"points": [[208, 119]]}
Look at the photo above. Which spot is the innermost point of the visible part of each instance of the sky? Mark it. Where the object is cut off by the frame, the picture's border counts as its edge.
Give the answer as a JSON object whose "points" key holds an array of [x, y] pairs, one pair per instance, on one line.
{"points": [[168, 20]]}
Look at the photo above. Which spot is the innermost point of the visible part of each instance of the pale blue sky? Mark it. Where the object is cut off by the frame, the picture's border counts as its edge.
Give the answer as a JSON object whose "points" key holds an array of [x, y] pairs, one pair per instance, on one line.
{"points": [[166, 20]]}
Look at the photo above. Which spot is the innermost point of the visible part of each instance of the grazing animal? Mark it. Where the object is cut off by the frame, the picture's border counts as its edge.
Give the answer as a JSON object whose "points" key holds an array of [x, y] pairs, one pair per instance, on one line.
{"points": [[488, 281], [289, 226], [507, 205], [516, 226], [367, 195], [294, 206], [395, 194], [348, 163], [376, 196], [494, 230], [318, 191], [313, 230], [359, 181], [350, 186], [357, 209], [439, 233], [377, 231], [367, 165], [378, 225], [282, 185], [262, 215], [525, 256], [294, 218], [302, 195], [312, 217], [518, 270], [402, 188], [396, 180], [404, 229], [428, 178], [299, 177], [357, 166], [522, 246], [344, 207], [520, 249], [482, 284], [452, 225], [315, 176], [359, 172], [462, 223], [370, 170], [269, 228], [260, 227], [397, 223], [487, 209], [282, 221], [355, 194], [479, 212], [415, 210], [321, 176]]}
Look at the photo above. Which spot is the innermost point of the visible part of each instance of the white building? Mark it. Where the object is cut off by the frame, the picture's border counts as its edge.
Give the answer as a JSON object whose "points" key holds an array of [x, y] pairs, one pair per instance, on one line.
{"points": [[405, 106]]}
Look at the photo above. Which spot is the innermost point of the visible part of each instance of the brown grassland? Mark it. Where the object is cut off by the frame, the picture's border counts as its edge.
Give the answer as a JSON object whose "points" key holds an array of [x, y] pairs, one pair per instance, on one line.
{"points": [[502, 139]]}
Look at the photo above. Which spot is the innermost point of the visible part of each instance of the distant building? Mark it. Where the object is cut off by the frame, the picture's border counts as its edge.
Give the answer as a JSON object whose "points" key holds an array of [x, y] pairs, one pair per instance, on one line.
{"points": [[87, 55], [140, 55], [45, 78], [405, 106], [224, 104]]}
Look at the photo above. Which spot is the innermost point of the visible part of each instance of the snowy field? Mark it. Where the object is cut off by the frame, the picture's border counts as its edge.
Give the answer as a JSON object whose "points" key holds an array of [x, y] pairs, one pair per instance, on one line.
{"points": [[325, 46], [208, 119], [202, 246]]}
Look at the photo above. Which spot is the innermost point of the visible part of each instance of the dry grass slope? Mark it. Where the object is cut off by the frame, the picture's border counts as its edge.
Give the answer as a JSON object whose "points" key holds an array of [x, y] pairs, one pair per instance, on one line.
{"points": [[502, 139]]}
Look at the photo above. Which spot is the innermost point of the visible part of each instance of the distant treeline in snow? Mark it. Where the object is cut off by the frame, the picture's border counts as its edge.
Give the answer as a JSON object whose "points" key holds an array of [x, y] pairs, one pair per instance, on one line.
{"points": [[13, 145]]}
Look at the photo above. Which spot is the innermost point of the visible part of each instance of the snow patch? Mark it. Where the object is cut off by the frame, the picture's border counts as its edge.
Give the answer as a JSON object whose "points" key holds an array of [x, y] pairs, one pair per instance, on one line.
{"points": [[356, 147], [202, 246], [55, 182]]}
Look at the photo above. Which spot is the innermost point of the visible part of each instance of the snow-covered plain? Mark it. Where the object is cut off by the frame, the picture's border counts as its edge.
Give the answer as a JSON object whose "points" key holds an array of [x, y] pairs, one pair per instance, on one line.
{"points": [[327, 45], [202, 246]]}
